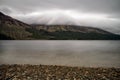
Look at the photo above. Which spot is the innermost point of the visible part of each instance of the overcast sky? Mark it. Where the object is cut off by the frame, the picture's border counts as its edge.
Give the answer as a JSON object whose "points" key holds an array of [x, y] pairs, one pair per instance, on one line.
{"points": [[98, 13]]}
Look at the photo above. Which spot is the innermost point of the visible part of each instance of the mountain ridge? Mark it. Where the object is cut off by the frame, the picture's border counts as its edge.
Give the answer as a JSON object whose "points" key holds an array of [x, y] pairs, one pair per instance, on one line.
{"points": [[14, 29], [74, 28]]}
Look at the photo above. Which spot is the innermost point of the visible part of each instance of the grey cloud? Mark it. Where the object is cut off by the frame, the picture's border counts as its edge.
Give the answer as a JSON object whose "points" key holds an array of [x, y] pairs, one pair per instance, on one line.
{"points": [[100, 6], [108, 7], [6, 10]]}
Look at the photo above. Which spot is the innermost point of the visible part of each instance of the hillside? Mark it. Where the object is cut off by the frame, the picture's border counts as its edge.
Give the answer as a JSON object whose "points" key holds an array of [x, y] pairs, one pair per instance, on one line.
{"points": [[17, 30], [72, 28], [11, 28], [72, 32]]}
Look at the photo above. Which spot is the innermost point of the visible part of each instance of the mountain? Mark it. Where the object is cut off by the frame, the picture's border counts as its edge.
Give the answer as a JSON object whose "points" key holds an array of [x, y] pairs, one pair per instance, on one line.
{"points": [[72, 28], [72, 32], [11, 28]]}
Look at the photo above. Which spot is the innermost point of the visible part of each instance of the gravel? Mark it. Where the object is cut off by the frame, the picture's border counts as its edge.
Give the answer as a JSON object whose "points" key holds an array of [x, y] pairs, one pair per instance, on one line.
{"points": [[54, 72]]}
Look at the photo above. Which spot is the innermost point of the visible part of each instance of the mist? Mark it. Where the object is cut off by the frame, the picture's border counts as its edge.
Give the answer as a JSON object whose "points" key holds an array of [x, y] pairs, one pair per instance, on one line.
{"points": [[104, 14]]}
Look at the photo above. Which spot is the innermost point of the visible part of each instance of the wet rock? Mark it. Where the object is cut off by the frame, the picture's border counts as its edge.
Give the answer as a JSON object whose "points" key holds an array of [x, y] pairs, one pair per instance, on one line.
{"points": [[49, 72]]}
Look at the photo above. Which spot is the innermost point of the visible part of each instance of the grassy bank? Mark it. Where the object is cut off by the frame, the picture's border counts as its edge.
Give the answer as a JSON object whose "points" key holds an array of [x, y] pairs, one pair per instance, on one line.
{"points": [[50, 72]]}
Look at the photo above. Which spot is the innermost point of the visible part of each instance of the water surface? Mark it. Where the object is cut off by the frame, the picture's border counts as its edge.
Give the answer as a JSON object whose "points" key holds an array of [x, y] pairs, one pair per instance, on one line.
{"points": [[61, 52]]}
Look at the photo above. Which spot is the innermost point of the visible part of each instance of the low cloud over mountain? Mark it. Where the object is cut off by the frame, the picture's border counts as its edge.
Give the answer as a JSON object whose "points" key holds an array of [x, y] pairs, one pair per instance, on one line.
{"points": [[103, 14]]}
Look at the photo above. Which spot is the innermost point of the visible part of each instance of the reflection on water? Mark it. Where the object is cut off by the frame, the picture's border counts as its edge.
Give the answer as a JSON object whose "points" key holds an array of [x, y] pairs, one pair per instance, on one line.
{"points": [[73, 53]]}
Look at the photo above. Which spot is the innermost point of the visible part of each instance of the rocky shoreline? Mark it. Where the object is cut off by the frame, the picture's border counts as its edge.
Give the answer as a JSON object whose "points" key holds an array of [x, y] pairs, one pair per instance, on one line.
{"points": [[54, 72]]}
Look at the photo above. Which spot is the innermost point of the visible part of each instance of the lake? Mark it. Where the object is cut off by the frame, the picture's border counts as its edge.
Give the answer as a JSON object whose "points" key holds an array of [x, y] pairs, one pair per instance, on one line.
{"points": [[88, 53]]}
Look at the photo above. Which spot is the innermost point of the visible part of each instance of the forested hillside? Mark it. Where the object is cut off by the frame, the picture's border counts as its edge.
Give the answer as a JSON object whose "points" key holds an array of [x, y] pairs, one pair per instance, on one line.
{"points": [[12, 29]]}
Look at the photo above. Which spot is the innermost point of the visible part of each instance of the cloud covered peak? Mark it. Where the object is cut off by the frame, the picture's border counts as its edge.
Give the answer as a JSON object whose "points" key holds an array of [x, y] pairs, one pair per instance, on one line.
{"points": [[65, 17]]}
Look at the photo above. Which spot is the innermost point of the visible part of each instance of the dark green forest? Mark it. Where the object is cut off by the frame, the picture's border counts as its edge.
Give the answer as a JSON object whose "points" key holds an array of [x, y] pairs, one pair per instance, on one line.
{"points": [[31, 33], [69, 35]]}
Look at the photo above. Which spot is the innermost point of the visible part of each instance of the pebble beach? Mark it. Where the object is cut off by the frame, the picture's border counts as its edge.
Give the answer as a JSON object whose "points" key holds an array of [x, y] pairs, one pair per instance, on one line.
{"points": [[55, 72]]}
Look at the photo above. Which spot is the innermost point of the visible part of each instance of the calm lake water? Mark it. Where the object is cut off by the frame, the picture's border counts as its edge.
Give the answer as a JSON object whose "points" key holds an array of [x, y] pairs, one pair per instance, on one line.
{"points": [[57, 52]]}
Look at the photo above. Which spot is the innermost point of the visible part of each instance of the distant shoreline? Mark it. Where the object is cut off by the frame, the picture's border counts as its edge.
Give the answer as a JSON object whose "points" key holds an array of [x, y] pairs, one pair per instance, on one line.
{"points": [[55, 72]]}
